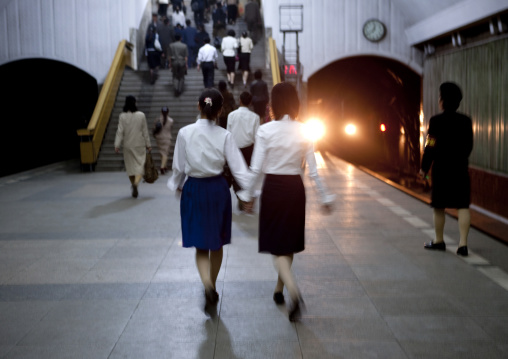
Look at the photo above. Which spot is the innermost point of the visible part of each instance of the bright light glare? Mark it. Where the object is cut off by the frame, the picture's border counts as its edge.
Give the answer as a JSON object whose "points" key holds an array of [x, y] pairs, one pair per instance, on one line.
{"points": [[314, 129], [382, 127], [351, 129]]}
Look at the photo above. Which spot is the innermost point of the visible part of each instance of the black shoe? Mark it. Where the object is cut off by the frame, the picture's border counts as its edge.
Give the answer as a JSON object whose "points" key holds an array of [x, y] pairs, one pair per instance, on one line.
{"points": [[211, 300], [278, 298], [438, 246], [134, 191], [462, 251], [295, 312], [211, 296]]}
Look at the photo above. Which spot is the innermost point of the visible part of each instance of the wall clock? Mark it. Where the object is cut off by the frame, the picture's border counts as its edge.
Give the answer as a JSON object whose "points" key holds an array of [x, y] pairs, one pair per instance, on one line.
{"points": [[374, 30]]}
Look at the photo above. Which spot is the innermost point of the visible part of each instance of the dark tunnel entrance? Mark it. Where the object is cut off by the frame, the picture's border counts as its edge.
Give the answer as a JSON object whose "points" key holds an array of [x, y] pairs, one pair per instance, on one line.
{"points": [[368, 92], [46, 101]]}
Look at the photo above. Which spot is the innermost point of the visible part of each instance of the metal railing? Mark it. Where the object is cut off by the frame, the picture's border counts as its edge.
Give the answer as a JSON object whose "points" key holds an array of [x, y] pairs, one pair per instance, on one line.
{"points": [[92, 136], [274, 61]]}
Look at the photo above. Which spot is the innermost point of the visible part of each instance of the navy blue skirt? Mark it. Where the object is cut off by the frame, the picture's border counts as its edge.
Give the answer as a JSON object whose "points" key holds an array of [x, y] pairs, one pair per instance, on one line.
{"points": [[205, 211]]}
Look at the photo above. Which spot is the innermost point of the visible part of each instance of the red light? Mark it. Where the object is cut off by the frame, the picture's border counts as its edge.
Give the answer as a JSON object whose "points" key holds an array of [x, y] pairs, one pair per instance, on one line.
{"points": [[290, 70], [382, 127]]}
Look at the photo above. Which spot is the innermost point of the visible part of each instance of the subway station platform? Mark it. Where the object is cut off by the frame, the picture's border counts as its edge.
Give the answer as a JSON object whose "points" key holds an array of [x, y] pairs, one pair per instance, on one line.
{"points": [[86, 271]]}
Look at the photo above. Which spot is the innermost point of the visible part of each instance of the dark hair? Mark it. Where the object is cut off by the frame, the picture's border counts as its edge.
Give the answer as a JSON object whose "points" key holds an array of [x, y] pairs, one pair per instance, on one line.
{"points": [[244, 34], [231, 32], [178, 37], [258, 74], [130, 104], [245, 98], [164, 109], [188, 22], [213, 107], [285, 101], [222, 85], [207, 40], [450, 95]]}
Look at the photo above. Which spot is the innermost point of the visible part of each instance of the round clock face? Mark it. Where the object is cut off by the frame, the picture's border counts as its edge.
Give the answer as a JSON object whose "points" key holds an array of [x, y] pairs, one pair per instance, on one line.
{"points": [[374, 30]]}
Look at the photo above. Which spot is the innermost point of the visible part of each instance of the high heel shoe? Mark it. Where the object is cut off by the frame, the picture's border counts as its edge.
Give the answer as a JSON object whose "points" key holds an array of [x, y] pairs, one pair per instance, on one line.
{"points": [[441, 246], [278, 298], [462, 251], [295, 312], [211, 300]]}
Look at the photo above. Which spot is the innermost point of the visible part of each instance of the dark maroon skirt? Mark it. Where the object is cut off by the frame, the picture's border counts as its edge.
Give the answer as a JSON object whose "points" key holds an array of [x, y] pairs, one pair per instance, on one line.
{"points": [[282, 215]]}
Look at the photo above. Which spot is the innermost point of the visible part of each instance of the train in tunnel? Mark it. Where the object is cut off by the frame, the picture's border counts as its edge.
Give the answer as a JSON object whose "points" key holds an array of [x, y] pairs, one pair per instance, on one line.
{"points": [[370, 107]]}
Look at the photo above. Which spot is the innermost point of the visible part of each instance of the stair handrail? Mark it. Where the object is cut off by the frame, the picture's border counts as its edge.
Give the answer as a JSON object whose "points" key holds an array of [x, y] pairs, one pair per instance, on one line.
{"points": [[92, 136], [274, 61]]}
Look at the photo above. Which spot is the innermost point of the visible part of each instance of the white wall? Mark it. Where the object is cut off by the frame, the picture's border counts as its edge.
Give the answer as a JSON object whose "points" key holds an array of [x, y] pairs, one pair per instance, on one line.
{"points": [[83, 33], [333, 30]]}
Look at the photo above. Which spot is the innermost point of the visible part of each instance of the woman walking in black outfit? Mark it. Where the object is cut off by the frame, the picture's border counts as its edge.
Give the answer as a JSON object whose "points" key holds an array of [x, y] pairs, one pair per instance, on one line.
{"points": [[279, 150]]}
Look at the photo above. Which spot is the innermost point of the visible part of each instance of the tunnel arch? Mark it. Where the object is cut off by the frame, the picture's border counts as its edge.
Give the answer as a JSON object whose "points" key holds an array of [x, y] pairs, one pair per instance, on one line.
{"points": [[46, 102], [367, 91]]}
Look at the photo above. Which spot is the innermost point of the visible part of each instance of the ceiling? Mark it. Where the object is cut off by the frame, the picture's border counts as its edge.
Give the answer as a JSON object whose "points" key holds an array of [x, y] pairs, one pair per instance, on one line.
{"points": [[418, 10]]}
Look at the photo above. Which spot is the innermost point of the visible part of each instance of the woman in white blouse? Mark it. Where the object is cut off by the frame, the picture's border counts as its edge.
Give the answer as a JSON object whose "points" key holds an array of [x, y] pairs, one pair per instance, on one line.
{"points": [[201, 151], [228, 47], [279, 151], [246, 47]]}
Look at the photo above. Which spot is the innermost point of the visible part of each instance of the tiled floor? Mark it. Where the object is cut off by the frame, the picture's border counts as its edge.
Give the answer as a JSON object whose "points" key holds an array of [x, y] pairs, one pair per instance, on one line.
{"points": [[88, 272]]}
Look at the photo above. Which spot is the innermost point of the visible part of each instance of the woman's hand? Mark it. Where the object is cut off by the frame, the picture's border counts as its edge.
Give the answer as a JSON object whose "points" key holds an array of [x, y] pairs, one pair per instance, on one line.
{"points": [[248, 207], [149, 149], [117, 150]]}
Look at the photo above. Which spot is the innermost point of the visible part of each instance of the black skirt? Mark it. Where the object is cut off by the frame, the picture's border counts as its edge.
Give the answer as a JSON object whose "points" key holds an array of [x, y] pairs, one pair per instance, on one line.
{"points": [[244, 63], [282, 215], [451, 187], [230, 63], [154, 59]]}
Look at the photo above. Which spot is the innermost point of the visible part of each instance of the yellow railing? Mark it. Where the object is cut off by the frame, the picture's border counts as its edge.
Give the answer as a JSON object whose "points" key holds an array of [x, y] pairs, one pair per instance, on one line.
{"points": [[92, 136], [274, 61]]}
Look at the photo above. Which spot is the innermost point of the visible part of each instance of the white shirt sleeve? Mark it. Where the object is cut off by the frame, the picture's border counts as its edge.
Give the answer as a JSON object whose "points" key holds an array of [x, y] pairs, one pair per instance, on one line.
{"points": [[178, 177], [310, 158], [256, 164], [237, 165]]}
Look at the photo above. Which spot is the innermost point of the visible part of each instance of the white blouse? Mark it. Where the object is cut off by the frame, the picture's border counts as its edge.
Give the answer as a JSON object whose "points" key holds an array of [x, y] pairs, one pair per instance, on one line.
{"points": [[201, 150], [246, 45], [282, 149], [243, 125], [228, 46]]}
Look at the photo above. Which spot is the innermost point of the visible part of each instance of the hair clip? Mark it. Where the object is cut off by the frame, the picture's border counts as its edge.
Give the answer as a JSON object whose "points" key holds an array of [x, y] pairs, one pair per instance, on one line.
{"points": [[208, 101]]}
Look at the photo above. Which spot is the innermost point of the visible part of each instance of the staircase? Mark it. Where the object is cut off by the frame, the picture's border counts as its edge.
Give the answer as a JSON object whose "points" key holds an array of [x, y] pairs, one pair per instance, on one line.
{"points": [[183, 109]]}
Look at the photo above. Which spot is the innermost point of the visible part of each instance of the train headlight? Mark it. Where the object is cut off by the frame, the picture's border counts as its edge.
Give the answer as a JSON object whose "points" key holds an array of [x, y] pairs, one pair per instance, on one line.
{"points": [[314, 129], [350, 129]]}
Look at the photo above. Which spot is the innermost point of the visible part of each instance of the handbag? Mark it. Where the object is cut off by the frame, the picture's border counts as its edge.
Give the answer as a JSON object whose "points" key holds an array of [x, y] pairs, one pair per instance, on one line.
{"points": [[151, 173], [157, 129], [157, 43]]}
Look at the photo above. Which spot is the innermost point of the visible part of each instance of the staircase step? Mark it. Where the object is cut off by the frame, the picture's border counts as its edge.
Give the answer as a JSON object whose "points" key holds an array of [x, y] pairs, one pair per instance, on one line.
{"points": [[151, 98]]}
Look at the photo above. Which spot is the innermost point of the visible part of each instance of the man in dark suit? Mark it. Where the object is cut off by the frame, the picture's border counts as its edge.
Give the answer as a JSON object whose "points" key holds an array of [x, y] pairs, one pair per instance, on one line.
{"points": [[252, 16], [260, 97], [178, 63], [189, 38]]}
